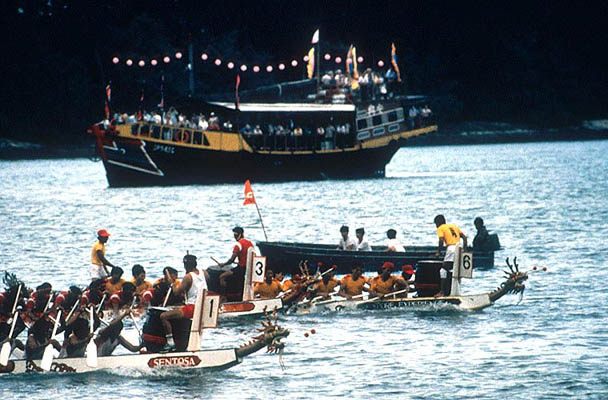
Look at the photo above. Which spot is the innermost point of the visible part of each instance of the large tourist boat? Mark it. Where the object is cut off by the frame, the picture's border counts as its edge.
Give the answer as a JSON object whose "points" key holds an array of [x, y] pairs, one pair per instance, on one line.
{"points": [[324, 136]]}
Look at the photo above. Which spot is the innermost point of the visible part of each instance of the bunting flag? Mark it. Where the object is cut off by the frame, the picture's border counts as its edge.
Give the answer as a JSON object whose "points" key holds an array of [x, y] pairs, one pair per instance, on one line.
{"points": [[161, 105], [355, 71], [351, 62], [236, 100], [249, 198], [394, 61], [315, 37], [310, 68], [140, 111]]}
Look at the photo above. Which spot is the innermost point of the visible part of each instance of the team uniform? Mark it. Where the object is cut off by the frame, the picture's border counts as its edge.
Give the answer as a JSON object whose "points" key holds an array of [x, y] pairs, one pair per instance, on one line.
{"points": [[114, 287], [96, 269], [267, 291], [351, 286], [140, 289], [198, 283], [380, 286], [120, 299], [323, 288], [236, 282], [451, 236]]}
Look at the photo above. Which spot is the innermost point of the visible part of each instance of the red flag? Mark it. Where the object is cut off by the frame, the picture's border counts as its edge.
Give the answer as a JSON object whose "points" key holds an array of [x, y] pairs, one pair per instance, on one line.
{"points": [[238, 82], [249, 198]]}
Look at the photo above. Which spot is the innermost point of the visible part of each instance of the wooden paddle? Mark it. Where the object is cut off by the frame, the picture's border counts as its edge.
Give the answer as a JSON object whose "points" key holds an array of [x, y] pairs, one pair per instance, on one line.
{"points": [[103, 299], [167, 296], [5, 353], [92, 346], [47, 357], [383, 296]]}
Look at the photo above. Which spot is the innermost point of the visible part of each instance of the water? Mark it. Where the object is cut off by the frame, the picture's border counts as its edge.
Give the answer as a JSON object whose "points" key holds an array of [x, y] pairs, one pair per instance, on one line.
{"points": [[547, 201]]}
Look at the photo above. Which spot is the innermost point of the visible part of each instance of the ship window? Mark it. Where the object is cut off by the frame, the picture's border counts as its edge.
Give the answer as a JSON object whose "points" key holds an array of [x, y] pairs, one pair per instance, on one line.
{"points": [[197, 137], [361, 124], [145, 130], [392, 116], [155, 131], [377, 120]]}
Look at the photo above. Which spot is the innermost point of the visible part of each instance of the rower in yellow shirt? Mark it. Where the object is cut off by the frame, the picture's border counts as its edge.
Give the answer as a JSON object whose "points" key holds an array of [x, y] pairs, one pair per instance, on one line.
{"points": [[115, 282], [269, 289], [353, 284], [139, 279], [385, 283], [326, 286]]}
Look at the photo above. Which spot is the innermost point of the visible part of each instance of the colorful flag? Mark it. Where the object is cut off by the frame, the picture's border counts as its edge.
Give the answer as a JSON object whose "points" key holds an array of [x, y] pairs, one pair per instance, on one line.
{"points": [[238, 82], [140, 111], [310, 68], [355, 71], [351, 62], [394, 61], [315, 37], [249, 198], [108, 99]]}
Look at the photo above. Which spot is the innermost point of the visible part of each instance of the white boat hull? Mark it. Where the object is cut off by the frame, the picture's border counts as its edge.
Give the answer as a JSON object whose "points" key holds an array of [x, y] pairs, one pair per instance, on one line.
{"points": [[202, 359]]}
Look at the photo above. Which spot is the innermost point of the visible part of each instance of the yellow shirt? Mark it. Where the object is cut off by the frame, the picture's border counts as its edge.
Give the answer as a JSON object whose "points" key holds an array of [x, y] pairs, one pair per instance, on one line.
{"points": [[97, 246], [145, 285], [323, 289], [114, 287], [288, 284], [267, 291], [450, 234], [383, 287], [353, 287]]}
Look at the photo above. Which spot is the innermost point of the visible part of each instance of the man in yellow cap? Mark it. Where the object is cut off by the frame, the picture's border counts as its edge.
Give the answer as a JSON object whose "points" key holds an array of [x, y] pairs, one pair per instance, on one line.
{"points": [[99, 262]]}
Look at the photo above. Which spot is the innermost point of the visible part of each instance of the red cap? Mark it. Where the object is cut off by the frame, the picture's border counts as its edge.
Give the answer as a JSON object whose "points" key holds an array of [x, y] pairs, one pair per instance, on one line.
{"points": [[388, 265], [319, 264], [103, 233], [408, 269], [334, 266]]}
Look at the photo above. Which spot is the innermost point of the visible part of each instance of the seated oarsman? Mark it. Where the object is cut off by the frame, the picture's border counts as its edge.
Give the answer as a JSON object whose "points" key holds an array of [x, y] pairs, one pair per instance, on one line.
{"points": [[107, 339], [279, 277], [66, 299], [123, 298], [94, 294], [38, 336], [290, 283], [326, 286], [7, 300], [404, 281], [193, 282], [269, 289], [155, 296], [115, 281], [139, 279], [353, 284], [37, 302], [385, 283]]}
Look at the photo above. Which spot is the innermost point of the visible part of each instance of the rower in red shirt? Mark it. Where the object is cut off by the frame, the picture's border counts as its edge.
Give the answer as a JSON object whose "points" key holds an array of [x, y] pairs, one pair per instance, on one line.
{"points": [[233, 281]]}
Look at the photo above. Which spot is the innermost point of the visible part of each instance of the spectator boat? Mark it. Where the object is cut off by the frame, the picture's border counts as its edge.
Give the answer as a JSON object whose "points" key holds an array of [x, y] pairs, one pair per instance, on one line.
{"points": [[332, 137]]}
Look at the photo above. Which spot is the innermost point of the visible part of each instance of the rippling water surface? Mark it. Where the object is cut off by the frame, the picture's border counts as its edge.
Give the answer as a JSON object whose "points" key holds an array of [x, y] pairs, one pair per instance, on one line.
{"points": [[547, 201]]}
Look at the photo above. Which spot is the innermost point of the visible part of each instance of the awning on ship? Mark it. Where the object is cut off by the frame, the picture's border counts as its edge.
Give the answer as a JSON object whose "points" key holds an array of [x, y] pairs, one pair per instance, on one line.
{"points": [[287, 107]]}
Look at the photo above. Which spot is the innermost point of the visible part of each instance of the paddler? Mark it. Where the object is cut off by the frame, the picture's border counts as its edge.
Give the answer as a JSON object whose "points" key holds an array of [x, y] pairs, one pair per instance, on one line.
{"points": [[353, 284], [269, 289], [326, 286], [99, 262], [38, 336], [191, 284], [449, 235], [233, 281], [115, 282], [139, 279], [384, 283], [157, 293], [403, 282]]}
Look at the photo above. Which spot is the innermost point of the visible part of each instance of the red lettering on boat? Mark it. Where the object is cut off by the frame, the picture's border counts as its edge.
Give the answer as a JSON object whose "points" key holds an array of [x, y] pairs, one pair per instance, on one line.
{"points": [[174, 361]]}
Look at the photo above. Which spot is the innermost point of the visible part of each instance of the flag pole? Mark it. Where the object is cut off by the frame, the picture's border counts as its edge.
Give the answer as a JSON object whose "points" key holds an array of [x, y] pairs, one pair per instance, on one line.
{"points": [[261, 221]]}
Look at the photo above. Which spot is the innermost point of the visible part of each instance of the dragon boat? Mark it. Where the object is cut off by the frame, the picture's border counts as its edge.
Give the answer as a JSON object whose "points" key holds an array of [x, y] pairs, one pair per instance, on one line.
{"points": [[426, 287], [187, 354]]}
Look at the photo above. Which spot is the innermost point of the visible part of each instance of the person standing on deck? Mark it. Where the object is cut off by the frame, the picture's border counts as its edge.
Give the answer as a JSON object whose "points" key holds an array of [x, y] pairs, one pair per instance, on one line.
{"points": [[346, 243], [193, 282], [392, 244], [99, 262], [449, 235], [362, 244], [233, 281]]}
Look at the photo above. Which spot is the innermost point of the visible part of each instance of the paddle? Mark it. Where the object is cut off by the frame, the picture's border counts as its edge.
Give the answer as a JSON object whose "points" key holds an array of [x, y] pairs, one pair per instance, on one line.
{"points": [[5, 353], [47, 357], [167, 296], [383, 296], [92, 346], [103, 299]]}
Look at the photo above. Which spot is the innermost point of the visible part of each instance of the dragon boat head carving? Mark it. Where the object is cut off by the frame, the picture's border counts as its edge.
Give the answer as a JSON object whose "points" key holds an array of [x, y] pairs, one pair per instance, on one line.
{"points": [[269, 336], [514, 283]]}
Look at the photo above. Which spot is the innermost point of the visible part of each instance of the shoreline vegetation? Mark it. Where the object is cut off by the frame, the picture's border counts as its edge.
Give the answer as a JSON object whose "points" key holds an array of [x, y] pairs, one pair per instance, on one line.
{"points": [[462, 133]]}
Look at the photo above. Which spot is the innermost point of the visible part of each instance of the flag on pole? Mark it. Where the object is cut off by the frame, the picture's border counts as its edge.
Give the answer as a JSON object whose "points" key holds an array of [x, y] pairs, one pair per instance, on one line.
{"points": [[394, 61], [310, 68], [249, 198], [238, 82], [161, 105], [315, 37], [108, 99], [140, 111], [355, 71]]}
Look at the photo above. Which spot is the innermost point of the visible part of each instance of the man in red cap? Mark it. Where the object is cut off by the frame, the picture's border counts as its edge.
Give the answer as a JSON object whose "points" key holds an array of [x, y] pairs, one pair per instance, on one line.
{"points": [[99, 262], [384, 283], [403, 281]]}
